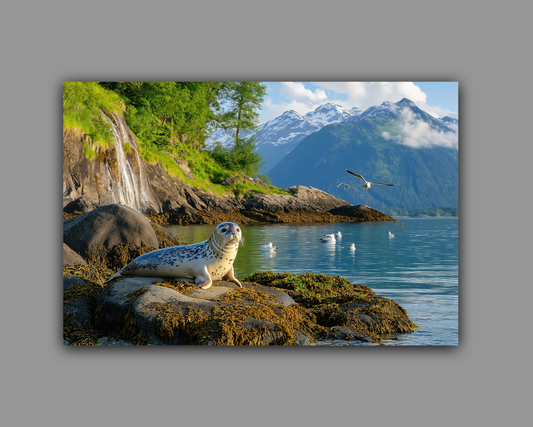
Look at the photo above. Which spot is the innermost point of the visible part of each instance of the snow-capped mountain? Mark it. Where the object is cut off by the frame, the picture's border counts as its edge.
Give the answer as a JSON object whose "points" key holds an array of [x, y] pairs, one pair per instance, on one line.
{"points": [[286, 128], [332, 113], [278, 137]]}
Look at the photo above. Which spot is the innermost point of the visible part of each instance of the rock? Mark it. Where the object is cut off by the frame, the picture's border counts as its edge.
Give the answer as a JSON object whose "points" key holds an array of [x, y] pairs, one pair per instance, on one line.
{"points": [[108, 226], [138, 309], [81, 204], [193, 200], [319, 200], [78, 309], [100, 179], [347, 334], [362, 212], [70, 257], [302, 199], [167, 189], [222, 203]]}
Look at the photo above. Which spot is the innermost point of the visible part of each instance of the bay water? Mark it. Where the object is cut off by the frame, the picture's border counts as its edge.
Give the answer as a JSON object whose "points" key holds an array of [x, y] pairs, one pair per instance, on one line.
{"points": [[417, 268]]}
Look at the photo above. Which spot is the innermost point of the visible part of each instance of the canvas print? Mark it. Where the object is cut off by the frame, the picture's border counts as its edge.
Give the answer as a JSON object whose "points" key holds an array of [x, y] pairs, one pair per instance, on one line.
{"points": [[260, 213]]}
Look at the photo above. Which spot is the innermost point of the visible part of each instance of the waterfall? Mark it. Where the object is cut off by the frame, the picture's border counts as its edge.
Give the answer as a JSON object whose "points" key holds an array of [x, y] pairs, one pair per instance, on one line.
{"points": [[128, 182]]}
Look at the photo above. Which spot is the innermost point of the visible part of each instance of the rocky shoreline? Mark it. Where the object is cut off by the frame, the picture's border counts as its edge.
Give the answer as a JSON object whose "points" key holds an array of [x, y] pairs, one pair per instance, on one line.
{"points": [[270, 308]]}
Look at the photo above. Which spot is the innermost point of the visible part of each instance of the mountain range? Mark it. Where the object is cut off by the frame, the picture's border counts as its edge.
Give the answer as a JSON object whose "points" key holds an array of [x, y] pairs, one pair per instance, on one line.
{"points": [[277, 137], [394, 143]]}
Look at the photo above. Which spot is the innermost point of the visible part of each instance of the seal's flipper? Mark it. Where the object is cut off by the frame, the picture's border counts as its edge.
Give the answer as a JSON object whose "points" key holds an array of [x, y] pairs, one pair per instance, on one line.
{"points": [[204, 281], [230, 277]]}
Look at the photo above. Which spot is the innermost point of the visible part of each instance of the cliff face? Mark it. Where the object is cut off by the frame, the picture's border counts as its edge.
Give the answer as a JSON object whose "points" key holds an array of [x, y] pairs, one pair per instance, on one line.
{"points": [[117, 174]]}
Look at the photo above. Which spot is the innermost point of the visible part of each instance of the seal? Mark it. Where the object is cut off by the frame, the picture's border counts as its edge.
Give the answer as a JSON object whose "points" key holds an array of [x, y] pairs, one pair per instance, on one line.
{"points": [[204, 262]]}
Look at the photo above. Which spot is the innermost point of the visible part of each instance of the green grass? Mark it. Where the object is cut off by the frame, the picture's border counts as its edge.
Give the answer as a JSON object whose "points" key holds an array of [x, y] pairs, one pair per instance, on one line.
{"points": [[83, 103], [208, 174]]}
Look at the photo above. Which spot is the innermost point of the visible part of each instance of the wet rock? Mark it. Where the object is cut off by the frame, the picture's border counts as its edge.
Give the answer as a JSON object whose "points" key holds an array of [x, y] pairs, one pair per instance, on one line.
{"points": [[70, 257], [108, 226], [345, 333], [362, 212]]}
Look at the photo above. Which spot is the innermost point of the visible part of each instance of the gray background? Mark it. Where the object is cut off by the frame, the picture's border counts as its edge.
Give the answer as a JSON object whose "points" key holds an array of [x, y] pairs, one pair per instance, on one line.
{"points": [[485, 47]]}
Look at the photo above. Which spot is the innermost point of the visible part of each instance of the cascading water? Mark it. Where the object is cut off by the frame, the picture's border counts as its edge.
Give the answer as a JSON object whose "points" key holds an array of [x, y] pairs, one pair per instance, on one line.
{"points": [[128, 181]]}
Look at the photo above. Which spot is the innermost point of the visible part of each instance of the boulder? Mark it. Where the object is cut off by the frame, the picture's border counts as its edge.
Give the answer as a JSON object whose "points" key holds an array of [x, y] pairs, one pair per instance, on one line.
{"points": [[146, 310], [108, 226], [81, 204], [70, 257]]}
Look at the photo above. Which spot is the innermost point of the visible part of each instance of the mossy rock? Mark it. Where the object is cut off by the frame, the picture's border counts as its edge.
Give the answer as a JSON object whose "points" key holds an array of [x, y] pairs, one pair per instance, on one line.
{"points": [[149, 310], [337, 303]]}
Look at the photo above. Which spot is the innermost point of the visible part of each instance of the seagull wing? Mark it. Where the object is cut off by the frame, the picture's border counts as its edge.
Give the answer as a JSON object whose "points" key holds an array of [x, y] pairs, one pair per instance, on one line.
{"points": [[356, 174], [382, 183]]}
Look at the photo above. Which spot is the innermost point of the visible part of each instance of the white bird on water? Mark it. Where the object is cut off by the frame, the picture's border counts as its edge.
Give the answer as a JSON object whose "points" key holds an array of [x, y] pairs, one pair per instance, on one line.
{"points": [[270, 247], [391, 235], [339, 235], [367, 184], [352, 247], [328, 238]]}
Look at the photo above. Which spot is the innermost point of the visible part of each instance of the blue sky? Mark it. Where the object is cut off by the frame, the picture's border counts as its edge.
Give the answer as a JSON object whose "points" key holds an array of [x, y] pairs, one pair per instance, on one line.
{"points": [[436, 98]]}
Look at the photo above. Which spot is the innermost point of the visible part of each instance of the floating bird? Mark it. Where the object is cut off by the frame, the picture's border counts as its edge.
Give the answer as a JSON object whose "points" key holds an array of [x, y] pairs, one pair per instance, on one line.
{"points": [[339, 235], [352, 247], [367, 184], [270, 247], [391, 235], [328, 238]]}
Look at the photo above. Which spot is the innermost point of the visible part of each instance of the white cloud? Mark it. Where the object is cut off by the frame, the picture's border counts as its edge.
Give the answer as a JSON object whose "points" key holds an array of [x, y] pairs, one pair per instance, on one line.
{"points": [[416, 133], [367, 94], [389, 137], [359, 94], [298, 92]]}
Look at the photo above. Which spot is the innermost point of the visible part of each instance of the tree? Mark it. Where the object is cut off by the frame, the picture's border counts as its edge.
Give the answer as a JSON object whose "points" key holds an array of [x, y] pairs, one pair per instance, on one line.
{"points": [[237, 112]]}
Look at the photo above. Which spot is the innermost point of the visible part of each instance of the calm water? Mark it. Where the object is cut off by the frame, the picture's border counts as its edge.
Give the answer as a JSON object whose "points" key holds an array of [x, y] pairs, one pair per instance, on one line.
{"points": [[418, 268]]}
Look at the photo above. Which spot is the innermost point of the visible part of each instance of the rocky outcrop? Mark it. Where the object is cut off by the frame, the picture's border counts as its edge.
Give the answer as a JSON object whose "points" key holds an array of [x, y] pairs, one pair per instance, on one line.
{"points": [[70, 257], [108, 226], [113, 174], [302, 199], [148, 310]]}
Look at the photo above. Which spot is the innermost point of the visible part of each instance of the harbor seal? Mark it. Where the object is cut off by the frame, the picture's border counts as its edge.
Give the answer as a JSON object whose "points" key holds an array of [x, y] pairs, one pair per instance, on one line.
{"points": [[204, 262]]}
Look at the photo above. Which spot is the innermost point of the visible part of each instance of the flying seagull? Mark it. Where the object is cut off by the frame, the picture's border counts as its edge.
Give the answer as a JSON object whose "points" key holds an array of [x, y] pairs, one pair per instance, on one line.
{"points": [[367, 184]]}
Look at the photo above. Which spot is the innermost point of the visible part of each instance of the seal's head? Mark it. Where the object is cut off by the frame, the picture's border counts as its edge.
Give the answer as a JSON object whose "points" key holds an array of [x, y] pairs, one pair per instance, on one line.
{"points": [[228, 233]]}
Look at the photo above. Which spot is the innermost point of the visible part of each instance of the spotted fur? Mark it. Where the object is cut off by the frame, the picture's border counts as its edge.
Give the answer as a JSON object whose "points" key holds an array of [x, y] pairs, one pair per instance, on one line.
{"points": [[204, 262]]}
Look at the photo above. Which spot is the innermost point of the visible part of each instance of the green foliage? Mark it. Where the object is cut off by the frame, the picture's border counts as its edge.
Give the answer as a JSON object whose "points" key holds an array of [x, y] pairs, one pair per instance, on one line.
{"points": [[162, 113], [242, 157], [169, 120], [83, 103]]}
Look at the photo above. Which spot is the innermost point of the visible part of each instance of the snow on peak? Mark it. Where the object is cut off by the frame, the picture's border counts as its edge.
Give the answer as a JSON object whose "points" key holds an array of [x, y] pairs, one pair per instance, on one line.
{"points": [[330, 113]]}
